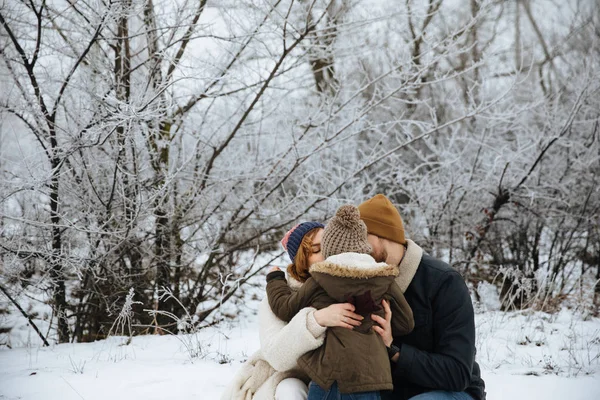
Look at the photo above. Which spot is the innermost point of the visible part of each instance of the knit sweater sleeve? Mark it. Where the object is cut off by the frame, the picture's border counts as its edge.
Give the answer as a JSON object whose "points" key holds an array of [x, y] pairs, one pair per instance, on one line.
{"points": [[283, 343]]}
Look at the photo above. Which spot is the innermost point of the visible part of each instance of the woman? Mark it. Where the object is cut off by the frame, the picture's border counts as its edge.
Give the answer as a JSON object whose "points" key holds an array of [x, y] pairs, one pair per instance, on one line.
{"points": [[272, 372]]}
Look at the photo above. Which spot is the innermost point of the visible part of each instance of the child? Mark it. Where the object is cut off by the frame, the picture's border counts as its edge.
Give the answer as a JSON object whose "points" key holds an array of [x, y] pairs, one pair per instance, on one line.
{"points": [[351, 361]]}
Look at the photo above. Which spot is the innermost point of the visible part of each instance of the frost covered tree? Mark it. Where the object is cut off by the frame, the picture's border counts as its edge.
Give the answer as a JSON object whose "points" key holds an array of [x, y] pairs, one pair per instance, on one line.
{"points": [[161, 146]]}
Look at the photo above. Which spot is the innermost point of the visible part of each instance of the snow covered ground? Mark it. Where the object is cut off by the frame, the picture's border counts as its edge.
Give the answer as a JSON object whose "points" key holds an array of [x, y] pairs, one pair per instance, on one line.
{"points": [[523, 356]]}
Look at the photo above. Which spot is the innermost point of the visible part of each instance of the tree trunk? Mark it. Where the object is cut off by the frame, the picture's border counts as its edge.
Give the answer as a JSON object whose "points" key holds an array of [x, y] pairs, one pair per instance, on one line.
{"points": [[56, 267]]}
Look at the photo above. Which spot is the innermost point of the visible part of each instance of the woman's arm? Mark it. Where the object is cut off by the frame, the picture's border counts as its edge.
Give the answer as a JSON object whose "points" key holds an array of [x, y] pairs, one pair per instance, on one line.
{"points": [[283, 343]]}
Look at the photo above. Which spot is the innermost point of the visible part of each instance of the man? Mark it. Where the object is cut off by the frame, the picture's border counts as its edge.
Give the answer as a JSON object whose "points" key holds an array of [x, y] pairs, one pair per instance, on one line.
{"points": [[436, 361]]}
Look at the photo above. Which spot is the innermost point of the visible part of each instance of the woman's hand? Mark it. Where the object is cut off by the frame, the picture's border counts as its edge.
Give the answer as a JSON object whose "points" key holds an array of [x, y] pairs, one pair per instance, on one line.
{"points": [[273, 269], [385, 328], [341, 315]]}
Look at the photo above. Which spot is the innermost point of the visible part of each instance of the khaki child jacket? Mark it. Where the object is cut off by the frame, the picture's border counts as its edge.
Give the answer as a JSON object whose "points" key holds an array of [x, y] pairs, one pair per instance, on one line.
{"points": [[357, 359]]}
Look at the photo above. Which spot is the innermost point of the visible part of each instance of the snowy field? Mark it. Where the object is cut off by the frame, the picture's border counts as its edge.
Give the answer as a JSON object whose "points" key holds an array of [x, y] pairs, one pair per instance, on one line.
{"points": [[523, 356]]}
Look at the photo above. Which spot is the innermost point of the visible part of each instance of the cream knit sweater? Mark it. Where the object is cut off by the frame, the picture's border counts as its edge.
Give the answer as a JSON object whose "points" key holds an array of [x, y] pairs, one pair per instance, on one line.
{"points": [[281, 345]]}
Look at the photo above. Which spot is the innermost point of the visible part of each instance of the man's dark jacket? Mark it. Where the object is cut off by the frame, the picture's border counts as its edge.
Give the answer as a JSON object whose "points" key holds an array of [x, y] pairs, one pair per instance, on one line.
{"points": [[439, 354]]}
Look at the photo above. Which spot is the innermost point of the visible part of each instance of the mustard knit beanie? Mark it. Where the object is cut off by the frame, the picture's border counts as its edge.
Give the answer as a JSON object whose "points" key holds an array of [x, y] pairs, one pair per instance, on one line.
{"points": [[382, 219], [345, 233]]}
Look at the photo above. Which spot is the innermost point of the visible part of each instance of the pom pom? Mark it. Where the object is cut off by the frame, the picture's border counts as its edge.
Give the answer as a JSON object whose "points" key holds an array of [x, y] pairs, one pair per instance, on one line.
{"points": [[348, 215]]}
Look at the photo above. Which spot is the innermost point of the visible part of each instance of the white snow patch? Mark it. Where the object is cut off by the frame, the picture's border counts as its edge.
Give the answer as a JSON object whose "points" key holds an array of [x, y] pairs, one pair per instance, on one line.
{"points": [[522, 355]]}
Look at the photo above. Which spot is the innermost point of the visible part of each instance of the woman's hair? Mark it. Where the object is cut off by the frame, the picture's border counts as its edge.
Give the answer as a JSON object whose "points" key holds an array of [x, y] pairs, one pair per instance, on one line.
{"points": [[299, 268]]}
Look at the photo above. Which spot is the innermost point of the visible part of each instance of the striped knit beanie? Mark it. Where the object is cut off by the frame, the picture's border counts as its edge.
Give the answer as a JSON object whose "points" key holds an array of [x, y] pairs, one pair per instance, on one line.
{"points": [[345, 233], [293, 238]]}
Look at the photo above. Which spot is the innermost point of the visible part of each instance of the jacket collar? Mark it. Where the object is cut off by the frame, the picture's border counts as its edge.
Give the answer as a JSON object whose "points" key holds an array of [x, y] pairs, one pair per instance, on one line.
{"points": [[409, 264], [293, 283], [353, 265]]}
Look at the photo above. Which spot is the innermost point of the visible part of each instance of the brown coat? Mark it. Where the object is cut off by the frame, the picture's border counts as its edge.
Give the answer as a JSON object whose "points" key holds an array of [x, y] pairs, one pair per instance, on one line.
{"points": [[356, 359]]}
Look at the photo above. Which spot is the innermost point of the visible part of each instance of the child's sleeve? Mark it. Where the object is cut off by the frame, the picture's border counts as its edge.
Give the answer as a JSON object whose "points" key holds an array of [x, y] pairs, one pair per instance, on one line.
{"points": [[402, 315], [283, 301]]}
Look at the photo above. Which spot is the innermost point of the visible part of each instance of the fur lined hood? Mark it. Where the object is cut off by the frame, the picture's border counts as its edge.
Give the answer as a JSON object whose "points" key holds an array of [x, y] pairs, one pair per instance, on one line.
{"points": [[353, 265], [344, 276]]}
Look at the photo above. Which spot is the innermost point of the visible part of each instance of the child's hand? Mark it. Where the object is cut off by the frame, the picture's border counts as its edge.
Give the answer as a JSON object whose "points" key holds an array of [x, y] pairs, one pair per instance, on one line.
{"points": [[273, 269]]}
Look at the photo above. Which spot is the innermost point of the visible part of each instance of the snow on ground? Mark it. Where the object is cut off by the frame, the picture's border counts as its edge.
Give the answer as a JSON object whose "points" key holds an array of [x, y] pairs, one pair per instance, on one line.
{"points": [[523, 356]]}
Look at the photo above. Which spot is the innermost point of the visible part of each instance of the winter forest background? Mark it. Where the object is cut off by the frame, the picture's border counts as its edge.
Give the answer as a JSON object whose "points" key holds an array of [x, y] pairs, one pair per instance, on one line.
{"points": [[153, 152]]}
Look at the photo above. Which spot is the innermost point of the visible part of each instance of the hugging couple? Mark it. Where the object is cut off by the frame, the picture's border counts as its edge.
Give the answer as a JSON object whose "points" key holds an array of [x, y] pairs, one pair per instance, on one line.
{"points": [[364, 314]]}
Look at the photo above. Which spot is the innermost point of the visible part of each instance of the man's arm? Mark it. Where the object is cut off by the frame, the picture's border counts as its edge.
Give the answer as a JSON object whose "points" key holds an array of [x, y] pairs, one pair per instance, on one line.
{"points": [[402, 316], [449, 366], [285, 303]]}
